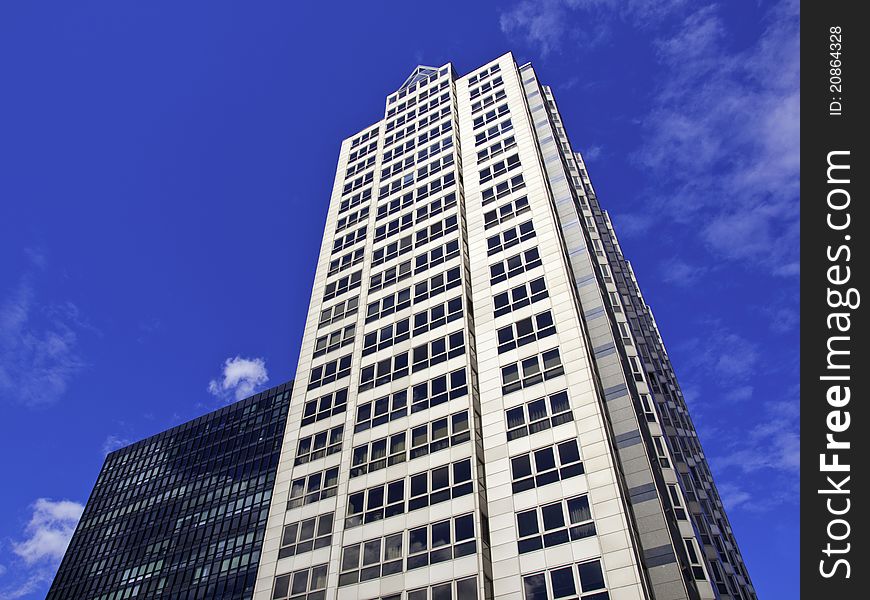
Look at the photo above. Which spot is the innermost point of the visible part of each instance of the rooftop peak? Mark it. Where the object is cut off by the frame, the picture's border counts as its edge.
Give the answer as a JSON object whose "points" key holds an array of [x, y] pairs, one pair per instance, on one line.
{"points": [[419, 74]]}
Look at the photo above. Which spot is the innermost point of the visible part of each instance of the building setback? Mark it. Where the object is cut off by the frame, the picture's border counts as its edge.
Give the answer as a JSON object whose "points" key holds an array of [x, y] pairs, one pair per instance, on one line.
{"points": [[181, 515], [484, 404]]}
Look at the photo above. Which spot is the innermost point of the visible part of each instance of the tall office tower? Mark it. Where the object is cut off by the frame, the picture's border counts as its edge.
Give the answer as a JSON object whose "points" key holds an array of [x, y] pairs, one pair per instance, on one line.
{"points": [[498, 413], [181, 515]]}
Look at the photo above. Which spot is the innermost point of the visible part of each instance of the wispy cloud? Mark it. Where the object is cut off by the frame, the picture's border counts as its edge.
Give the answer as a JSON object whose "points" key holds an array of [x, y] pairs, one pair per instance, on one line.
{"points": [[39, 353], [722, 134], [113, 442], [240, 378], [680, 273], [546, 25], [729, 357], [33, 581], [49, 530], [730, 156]]}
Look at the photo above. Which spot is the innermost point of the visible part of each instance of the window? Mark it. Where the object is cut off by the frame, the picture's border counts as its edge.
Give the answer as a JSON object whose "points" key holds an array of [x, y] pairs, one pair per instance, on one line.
{"points": [[546, 465], [390, 276], [357, 183], [462, 589], [435, 207], [440, 434], [307, 535], [371, 559], [329, 372], [408, 243], [510, 238], [490, 116], [636, 369], [435, 186], [388, 305], [384, 371], [393, 206], [324, 407], [437, 284], [375, 504], [506, 212], [427, 488], [476, 92], [520, 296], [515, 265], [488, 101], [339, 311], [441, 541], [355, 200], [499, 168], [313, 488], [538, 415], [437, 316], [624, 333], [345, 262], [440, 484], [694, 559], [387, 336], [307, 584], [531, 371], [359, 167], [352, 219], [335, 340], [496, 149], [439, 390], [322, 443], [382, 410], [526, 331], [340, 286], [376, 455], [439, 350], [493, 132], [677, 501], [503, 189], [554, 524], [661, 452], [585, 581], [484, 74], [436, 256], [436, 166], [362, 151], [436, 230], [395, 226], [648, 409]]}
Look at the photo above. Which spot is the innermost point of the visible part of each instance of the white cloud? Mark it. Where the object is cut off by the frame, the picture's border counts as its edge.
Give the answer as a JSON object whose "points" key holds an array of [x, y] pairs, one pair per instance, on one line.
{"points": [[681, 273], [241, 377], [49, 531], [728, 356], [546, 24], [36, 581], [730, 149], [592, 153], [113, 442], [38, 348], [723, 133], [733, 496]]}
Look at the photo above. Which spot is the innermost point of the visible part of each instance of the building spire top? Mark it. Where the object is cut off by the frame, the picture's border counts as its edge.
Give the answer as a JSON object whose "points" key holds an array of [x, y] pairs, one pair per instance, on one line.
{"points": [[419, 74]]}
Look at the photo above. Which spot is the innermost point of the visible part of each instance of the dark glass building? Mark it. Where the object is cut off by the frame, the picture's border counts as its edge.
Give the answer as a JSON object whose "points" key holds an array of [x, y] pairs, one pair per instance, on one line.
{"points": [[181, 515]]}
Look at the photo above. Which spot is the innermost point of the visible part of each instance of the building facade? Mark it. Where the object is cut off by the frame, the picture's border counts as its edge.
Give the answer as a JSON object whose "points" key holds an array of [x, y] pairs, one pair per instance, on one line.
{"points": [[484, 406], [182, 514]]}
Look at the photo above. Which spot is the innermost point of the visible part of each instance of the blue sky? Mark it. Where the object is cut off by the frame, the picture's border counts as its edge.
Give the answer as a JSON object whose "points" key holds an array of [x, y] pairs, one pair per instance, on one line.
{"points": [[166, 170]]}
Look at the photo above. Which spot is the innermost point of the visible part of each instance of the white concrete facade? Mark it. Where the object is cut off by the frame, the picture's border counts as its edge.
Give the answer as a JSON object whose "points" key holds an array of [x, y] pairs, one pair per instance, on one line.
{"points": [[456, 531]]}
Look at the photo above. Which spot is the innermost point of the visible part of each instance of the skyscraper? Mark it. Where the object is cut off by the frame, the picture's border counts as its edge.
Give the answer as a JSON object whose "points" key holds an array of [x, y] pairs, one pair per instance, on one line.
{"points": [[181, 514], [495, 410]]}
